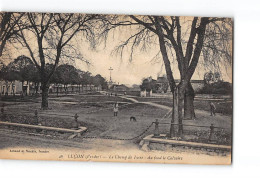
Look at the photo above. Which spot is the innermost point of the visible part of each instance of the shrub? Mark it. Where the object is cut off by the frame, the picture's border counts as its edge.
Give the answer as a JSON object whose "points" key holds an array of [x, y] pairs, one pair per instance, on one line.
{"points": [[217, 88]]}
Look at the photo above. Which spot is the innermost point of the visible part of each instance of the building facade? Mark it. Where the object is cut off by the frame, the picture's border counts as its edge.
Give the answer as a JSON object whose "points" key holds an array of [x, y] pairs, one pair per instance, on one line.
{"points": [[11, 88]]}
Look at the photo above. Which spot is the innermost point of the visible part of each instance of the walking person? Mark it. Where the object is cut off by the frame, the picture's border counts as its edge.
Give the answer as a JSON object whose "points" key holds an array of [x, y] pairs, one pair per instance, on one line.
{"points": [[115, 109], [212, 109]]}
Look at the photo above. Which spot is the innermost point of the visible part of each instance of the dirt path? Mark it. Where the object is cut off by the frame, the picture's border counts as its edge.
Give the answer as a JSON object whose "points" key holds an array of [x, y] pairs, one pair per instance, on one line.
{"points": [[129, 98], [10, 138], [148, 103]]}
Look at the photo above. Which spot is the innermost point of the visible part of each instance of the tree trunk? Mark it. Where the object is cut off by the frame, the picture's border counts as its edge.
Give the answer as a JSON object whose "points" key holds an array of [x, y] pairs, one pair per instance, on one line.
{"points": [[181, 92], [57, 90], [36, 88], [26, 93], [174, 112], [22, 88], [168, 70], [7, 88], [45, 94], [65, 88], [189, 95], [13, 88]]}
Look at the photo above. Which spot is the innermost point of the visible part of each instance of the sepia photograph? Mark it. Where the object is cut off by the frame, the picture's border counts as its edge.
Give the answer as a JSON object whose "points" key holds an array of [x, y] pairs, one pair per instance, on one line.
{"points": [[116, 88]]}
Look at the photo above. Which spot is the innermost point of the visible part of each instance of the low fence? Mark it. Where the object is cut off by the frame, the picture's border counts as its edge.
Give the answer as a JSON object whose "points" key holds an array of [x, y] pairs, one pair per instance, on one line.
{"points": [[36, 118], [38, 128], [196, 133], [35, 123]]}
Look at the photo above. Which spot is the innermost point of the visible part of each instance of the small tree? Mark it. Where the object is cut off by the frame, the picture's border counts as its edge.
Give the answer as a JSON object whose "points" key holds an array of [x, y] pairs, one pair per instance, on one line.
{"points": [[86, 78], [66, 74], [211, 77], [98, 80], [34, 77], [149, 84], [24, 67], [208, 78]]}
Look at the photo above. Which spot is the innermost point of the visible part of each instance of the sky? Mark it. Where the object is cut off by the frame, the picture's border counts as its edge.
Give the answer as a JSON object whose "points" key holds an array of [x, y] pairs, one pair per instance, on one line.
{"points": [[124, 71], [142, 65]]}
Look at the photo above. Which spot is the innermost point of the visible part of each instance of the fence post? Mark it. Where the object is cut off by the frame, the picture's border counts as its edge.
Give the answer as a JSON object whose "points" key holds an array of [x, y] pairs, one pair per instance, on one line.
{"points": [[75, 124], [3, 112], [156, 129], [211, 133], [36, 120]]}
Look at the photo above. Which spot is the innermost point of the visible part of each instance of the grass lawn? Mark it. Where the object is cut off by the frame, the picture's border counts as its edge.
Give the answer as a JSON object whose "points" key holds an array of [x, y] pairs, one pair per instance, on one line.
{"points": [[96, 113]]}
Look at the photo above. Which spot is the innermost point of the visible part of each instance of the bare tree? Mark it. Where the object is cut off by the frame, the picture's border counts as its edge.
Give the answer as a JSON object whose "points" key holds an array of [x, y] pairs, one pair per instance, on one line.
{"points": [[48, 37], [181, 39], [9, 27]]}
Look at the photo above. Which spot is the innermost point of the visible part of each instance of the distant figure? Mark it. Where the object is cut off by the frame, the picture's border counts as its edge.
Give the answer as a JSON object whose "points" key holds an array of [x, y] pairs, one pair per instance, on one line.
{"points": [[115, 109], [132, 118], [212, 109]]}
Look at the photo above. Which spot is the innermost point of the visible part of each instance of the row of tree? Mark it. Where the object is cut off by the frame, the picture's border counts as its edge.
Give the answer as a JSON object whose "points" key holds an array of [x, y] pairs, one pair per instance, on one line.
{"points": [[23, 69], [213, 84], [66, 74]]}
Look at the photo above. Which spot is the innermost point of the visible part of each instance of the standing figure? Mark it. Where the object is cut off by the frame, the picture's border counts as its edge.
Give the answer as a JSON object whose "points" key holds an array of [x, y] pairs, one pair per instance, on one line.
{"points": [[212, 109], [115, 109]]}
